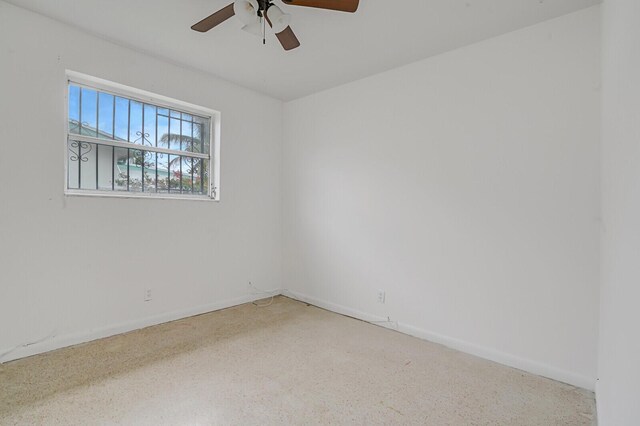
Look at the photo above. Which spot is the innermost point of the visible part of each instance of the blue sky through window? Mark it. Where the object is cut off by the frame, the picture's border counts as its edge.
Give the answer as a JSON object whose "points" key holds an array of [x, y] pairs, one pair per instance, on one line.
{"points": [[96, 111]]}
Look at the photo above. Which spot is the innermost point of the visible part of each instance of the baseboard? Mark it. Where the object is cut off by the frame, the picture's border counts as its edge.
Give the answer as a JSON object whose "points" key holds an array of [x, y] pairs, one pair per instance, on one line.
{"points": [[524, 364], [333, 307], [507, 359], [57, 342]]}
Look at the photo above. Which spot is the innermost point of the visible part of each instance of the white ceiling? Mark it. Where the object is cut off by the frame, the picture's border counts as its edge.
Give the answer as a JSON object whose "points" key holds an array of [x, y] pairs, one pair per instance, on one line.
{"points": [[336, 47]]}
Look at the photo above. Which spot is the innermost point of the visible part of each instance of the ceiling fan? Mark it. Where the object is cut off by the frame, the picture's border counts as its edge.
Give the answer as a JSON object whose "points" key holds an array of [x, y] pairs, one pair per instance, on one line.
{"points": [[254, 14]]}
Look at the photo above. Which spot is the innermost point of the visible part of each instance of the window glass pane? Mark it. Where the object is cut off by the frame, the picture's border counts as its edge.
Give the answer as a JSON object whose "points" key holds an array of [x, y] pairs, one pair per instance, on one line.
{"points": [[88, 112], [105, 115], [120, 169], [150, 124], [198, 183], [174, 138], [174, 173], [104, 159], [73, 167], [74, 109], [163, 131], [205, 176], [201, 135], [122, 119], [150, 172], [87, 163], [187, 172], [184, 175], [135, 129], [187, 142], [136, 166], [163, 172]]}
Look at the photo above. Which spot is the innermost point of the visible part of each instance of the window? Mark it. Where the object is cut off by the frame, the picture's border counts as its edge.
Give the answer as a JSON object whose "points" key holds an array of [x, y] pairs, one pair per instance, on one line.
{"points": [[136, 144]]}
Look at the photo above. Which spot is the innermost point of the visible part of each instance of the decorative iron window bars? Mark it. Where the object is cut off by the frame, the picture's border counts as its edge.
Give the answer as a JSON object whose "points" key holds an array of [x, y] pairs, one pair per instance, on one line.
{"points": [[120, 144]]}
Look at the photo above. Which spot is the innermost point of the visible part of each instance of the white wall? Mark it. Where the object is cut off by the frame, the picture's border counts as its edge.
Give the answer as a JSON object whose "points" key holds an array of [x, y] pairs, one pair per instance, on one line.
{"points": [[619, 359], [467, 187], [196, 256]]}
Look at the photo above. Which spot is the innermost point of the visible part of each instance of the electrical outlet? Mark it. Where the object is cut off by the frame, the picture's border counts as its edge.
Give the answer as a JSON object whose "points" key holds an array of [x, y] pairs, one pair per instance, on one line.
{"points": [[147, 295], [381, 296]]}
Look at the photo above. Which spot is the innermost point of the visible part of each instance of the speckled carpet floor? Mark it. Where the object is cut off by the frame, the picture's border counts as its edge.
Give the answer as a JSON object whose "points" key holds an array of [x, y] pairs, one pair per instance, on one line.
{"points": [[287, 363]]}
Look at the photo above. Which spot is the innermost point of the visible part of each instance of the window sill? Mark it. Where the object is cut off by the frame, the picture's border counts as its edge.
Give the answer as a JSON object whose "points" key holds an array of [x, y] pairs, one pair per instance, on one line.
{"points": [[140, 195]]}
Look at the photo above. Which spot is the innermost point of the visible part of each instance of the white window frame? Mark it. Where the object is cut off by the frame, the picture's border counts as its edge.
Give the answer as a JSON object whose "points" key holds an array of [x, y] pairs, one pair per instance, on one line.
{"points": [[87, 81]]}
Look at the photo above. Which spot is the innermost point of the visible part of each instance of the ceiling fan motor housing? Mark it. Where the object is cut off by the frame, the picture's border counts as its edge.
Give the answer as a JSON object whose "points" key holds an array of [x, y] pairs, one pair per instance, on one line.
{"points": [[263, 5]]}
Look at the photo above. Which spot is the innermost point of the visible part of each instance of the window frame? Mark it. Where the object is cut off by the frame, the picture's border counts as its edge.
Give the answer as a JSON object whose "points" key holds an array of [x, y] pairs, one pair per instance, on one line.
{"points": [[139, 95]]}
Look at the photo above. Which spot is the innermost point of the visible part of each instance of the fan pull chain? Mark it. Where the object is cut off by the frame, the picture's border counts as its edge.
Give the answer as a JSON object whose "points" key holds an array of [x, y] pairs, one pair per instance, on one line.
{"points": [[264, 30]]}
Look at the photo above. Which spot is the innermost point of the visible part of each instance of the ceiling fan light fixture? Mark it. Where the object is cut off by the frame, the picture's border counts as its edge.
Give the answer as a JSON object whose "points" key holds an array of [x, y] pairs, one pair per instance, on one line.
{"points": [[279, 20], [254, 28], [246, 11]]}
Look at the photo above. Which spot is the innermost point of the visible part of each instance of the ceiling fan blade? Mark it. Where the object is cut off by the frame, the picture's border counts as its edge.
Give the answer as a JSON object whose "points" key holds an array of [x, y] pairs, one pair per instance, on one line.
{"points": [[216, 19], [340, 5], [288, 39]]}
